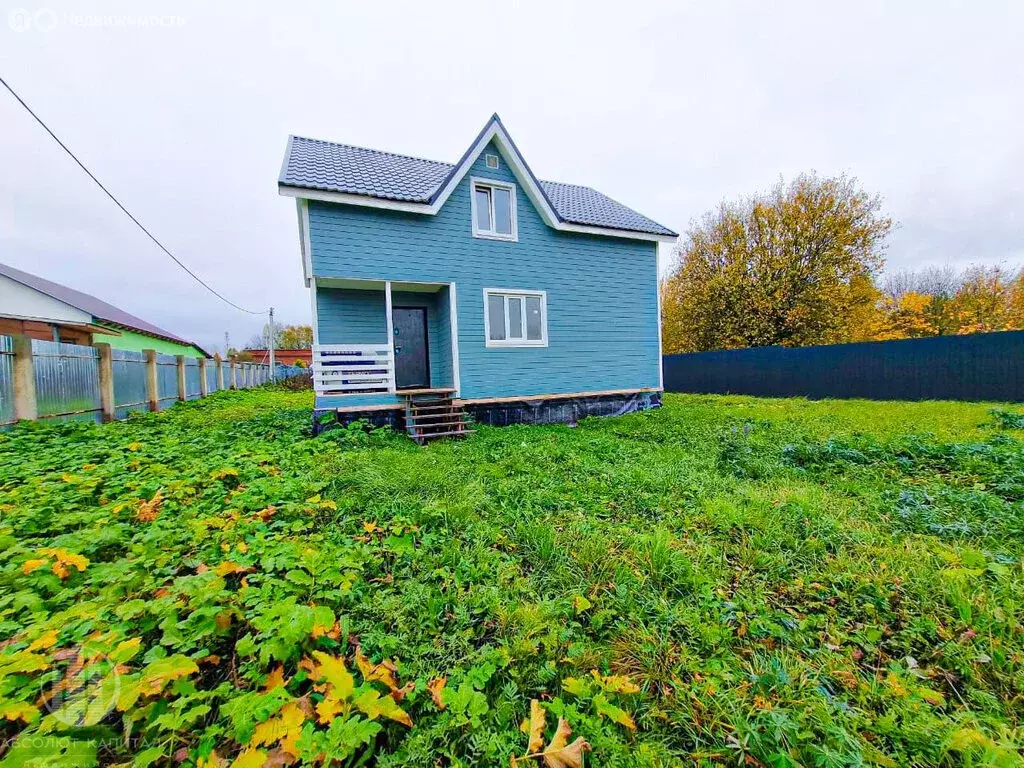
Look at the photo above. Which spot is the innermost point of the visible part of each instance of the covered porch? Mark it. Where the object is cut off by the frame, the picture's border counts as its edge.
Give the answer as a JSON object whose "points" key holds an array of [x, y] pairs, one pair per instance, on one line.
{"points": [[378, 340]]}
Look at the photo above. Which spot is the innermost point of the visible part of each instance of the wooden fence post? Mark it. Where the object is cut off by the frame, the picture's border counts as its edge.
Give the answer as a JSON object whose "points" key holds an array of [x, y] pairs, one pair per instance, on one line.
{"points": [[180, 361], [152, 380], [25, 405], [220, 371], [204, 387], [108, 405], [232, 364]]}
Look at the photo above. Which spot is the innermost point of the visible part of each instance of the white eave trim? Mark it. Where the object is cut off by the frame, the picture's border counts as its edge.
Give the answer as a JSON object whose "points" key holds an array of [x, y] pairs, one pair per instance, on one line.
{"points": [[533, 191], [397, 205]]}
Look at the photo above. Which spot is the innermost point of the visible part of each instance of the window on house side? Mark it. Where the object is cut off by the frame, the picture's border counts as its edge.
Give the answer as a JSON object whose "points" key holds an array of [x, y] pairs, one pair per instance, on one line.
{"points": [[494, 210], [483, 209], [516, 318], [496, 317]]}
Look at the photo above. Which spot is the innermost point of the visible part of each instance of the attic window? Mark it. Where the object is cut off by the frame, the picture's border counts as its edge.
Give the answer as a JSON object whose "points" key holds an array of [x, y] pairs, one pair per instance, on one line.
{"points": [[492, 161], [493, 208]]}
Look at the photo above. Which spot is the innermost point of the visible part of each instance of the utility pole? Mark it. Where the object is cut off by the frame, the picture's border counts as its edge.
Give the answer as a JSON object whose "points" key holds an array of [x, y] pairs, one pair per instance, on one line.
{"points": [[273, 373], [227, 346]]}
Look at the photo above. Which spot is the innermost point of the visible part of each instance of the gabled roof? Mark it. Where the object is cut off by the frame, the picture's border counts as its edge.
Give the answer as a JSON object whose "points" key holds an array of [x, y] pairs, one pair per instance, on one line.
{"points": [[359, 176], [99, 309]]}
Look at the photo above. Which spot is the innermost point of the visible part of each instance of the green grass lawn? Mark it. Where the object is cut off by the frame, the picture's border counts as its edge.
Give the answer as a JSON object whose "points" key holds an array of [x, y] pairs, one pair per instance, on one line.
{"points": [[725, 581]]}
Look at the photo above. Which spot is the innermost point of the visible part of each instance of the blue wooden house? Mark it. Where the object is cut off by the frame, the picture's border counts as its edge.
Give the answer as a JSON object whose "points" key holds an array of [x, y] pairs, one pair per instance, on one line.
{"points": [[440, 289]]}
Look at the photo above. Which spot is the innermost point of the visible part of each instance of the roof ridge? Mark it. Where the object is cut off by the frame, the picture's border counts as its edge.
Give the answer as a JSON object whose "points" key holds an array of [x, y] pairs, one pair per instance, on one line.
{"points": [[374, 151]]}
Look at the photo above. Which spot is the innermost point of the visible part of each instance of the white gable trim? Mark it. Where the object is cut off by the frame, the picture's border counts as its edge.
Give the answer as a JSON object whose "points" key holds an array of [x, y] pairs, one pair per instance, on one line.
{"points": [[515, 162], [496, 132], [302, 208]]}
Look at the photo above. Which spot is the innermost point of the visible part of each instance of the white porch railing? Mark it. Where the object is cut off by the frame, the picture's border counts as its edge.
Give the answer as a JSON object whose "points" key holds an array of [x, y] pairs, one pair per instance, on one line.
{"points": [[351, 369]]}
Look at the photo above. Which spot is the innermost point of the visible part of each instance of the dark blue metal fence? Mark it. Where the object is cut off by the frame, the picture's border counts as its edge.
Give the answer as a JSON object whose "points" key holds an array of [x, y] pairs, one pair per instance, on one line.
{"points": [[983, 366]]}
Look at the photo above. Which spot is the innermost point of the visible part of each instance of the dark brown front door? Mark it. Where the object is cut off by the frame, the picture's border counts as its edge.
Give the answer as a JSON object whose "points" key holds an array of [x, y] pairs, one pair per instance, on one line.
{"points": [[412, 362]]}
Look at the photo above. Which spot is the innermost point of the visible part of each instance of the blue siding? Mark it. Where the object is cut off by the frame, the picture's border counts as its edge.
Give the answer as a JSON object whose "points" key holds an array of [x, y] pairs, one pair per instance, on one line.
{"points": [[351, 317], [601, 291]]}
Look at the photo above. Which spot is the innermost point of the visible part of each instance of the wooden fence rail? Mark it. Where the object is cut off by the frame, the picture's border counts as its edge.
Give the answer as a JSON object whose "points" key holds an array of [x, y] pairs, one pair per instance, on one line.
{"points": [[52, 380]]}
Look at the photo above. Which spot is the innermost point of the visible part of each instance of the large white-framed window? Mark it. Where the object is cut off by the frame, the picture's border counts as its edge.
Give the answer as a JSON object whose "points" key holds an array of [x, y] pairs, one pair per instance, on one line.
{"points": [[515, 318], [493, 207]]}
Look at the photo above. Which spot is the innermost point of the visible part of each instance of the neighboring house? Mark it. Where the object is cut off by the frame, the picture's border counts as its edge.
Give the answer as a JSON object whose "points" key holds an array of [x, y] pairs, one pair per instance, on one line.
{"points": [[48, 311], [525, 300], [282, 356]]}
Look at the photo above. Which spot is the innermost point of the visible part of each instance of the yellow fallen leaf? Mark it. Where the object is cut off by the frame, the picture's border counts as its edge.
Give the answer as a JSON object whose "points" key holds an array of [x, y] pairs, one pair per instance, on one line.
{"points": [[333, 670], [32, 565], [147, 511], [274, 679], [250, 758], [285, 728], [46, 640], [373, 705], [327, 710], [162, 671], [436, 688], [383, 672], [537, 717], [227, 567], [19, 710], [559, 753], [66, 558], [615, 683]]}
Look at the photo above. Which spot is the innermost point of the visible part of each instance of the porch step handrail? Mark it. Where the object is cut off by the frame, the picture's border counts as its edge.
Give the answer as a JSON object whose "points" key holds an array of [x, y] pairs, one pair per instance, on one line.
{"points": [[350, 369]]}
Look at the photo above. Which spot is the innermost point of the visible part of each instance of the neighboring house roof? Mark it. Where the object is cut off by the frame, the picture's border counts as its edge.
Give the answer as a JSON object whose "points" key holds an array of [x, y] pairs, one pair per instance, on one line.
{"points": [[312, 164], [99, 309]]}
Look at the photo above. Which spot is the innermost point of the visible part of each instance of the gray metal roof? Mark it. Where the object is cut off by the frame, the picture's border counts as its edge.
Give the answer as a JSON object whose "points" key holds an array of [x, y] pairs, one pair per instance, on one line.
{"points": [[99, 309], [331, 167]]}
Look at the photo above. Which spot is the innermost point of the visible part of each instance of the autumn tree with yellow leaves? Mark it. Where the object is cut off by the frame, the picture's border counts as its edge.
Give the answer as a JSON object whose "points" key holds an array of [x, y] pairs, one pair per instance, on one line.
{"points": [[938, 301], [792, 267], [799, 266]]}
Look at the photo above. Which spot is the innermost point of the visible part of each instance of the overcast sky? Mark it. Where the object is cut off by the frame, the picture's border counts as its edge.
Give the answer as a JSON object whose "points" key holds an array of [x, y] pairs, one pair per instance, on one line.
{"points": [[668, 108]]}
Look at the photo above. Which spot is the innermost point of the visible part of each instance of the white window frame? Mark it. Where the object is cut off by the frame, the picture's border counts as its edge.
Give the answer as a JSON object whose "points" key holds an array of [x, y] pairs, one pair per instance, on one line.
{"points": [[491, 184], [491, 161], [518, 294]]}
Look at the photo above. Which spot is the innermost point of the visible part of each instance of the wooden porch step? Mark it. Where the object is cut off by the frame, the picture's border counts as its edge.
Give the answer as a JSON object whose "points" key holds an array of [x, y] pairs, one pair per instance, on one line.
{"points": [[431, 413], [437, 424], [432, 418]]}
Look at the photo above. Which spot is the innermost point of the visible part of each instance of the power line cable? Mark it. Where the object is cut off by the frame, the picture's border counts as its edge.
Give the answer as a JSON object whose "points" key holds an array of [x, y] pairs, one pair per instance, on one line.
{"points": [[119, 205]]}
